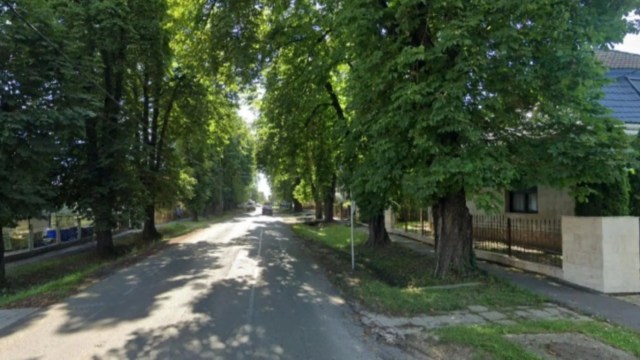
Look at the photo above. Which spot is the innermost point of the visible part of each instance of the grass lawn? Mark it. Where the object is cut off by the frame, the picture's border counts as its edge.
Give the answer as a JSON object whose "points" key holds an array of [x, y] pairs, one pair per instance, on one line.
{"points": [[48, 281], [491, 339], [398, 281]]}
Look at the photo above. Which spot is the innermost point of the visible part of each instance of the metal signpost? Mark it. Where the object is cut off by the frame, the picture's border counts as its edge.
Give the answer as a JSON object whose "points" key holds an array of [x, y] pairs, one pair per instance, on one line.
{"points": [[353, 254]]}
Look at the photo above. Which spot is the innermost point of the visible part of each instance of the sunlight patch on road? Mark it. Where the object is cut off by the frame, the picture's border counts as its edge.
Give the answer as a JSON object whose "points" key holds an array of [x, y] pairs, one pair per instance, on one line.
{"points": [[215, 343], [241, 337], [336, 300], [309, 293], [245, 268]]}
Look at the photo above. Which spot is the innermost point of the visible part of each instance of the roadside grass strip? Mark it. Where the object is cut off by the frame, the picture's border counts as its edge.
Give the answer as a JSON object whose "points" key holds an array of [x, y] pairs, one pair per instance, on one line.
{"points": [[51, 280], [494, 341], [183, 227], [49, 291], [398, 281]]}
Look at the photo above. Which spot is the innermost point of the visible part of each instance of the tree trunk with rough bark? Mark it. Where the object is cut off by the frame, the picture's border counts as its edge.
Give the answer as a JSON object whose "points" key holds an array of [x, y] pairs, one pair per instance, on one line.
{"points": [[103, 225], [328, 209], [453, 233], [317, 200], [329, 199], [218, 210], [318, 205], [104, 243], [378, 235], [297, 205], [149, 231]]}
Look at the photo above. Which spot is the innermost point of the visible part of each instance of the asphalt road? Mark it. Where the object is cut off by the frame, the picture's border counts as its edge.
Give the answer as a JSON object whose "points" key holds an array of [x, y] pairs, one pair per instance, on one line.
{"points": [[242, 289]]}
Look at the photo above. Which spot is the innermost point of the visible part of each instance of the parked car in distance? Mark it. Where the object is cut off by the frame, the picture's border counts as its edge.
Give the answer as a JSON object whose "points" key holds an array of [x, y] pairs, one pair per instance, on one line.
{"points": [[250, 206], [267, 209]]}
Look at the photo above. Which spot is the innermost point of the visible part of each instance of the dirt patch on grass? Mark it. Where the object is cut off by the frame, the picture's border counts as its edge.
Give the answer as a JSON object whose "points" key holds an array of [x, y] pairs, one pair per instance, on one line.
{"points": [[434, 350], [569, 346]]}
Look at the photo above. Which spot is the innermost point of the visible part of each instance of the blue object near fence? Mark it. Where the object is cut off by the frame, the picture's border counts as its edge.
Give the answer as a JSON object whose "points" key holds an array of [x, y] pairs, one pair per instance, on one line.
{"points": [[50, 234], [68, 234]]}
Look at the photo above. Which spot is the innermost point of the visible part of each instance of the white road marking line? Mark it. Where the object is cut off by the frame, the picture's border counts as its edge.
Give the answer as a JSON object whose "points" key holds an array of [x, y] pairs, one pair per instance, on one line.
{"points": [[260, 244], [252, 294]]}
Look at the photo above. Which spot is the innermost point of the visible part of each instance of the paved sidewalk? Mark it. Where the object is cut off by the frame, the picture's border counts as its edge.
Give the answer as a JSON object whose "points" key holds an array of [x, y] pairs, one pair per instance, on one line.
{"points": [[578, 299], [582, 300], [394, 328]]}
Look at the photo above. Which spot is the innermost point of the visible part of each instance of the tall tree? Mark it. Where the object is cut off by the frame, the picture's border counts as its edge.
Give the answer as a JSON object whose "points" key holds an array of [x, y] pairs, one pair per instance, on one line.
{"points": [[479, 95], [41, 98], [105, 164], [302, 112], [154, 85]]}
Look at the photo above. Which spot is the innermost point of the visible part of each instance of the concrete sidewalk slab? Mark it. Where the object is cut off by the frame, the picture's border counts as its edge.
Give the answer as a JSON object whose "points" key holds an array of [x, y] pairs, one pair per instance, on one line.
{"points": [[582, 300], [579, 299]]}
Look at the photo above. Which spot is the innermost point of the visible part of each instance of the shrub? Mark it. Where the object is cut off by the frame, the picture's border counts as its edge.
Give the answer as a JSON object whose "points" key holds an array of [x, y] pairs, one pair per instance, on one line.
{"points": [[608, 199]]}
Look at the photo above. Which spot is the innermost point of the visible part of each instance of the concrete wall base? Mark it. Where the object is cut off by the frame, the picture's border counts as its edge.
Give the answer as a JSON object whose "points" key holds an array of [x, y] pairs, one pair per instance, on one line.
{"points": [[602, 253]]}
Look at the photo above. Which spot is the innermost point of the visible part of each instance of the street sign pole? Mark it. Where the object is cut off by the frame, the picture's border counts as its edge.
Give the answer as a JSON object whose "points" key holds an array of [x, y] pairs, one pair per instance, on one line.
{"points": [[353, 254]]}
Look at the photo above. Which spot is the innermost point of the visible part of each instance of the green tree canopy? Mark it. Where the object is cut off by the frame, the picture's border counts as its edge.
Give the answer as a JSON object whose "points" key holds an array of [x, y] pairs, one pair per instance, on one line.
{"points": [[469, 96]]}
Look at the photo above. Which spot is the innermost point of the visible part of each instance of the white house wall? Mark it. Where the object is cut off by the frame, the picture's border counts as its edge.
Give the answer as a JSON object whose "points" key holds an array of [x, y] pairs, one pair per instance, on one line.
{"points": [[552, 203]]}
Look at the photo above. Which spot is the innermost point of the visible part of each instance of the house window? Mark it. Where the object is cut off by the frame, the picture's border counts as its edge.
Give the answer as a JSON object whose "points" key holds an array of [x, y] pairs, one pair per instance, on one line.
{"points": [[524, 201]]}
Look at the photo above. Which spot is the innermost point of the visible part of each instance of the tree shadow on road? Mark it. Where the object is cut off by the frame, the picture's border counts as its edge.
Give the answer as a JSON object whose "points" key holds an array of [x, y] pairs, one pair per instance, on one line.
{"points": [[272, 304], [135, 292]]}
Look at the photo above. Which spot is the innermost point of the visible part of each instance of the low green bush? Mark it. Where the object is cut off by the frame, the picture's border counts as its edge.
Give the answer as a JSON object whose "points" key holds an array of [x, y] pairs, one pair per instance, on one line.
{"points": [[608, 199]]}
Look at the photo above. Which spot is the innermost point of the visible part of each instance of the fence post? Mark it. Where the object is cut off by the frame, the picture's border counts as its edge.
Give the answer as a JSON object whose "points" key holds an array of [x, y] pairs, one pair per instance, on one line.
{"points": [[58, 233], [406, 221], [30, 238], [509, 236], [8, 246], [79, 236]]}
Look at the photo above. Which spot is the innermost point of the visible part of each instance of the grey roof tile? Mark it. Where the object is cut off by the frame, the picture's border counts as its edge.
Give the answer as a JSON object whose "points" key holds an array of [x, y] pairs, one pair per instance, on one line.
{"points": [[614, 59], [623, 99], [622, 95]]}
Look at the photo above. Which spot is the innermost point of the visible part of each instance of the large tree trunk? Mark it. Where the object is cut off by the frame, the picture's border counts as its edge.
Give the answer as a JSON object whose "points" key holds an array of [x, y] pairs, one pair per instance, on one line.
{"points": [[3, 278], [149, 231], [378, 235], [318, 205], [104, 243], [297, 205], [328, 209], [329, 199], [317, 199], [219, 205], [453, 233], [104, 153]]}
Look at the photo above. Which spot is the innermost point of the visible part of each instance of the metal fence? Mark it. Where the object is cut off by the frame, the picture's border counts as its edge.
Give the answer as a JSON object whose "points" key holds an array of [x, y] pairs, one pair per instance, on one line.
{"points": [[36, 233], [535, 240], [412, 220]]}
